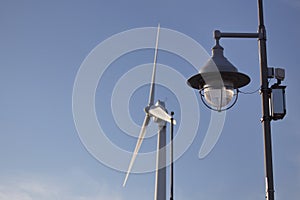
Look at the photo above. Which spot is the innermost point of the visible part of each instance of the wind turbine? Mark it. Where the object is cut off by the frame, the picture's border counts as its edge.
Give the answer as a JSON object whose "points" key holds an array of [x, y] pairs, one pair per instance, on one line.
{"points": [[158, 112]]}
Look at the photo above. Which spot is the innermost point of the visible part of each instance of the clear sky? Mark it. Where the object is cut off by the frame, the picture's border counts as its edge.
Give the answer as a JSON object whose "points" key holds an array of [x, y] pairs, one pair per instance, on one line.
{"points": [[44, 43]]}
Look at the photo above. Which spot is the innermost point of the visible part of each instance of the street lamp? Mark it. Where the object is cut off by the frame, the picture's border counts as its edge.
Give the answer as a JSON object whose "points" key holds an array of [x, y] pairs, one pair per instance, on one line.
{"points": [[219, 81]]}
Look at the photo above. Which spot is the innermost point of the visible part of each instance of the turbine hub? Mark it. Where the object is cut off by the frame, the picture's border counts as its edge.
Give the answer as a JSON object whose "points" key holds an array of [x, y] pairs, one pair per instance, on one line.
{"points": [[147, 108]]}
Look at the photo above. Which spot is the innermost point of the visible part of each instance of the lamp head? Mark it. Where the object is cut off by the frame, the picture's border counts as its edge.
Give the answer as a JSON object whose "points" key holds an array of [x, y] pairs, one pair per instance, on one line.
{"points": [[218, 81]]}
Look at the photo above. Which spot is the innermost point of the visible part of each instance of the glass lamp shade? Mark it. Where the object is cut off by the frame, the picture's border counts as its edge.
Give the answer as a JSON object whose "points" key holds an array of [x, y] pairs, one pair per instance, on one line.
{"points": [[218, 97]]}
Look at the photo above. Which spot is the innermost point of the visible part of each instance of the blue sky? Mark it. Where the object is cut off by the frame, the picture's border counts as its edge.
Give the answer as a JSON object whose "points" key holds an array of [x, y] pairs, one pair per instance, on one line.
{"points": [[42, 46]]}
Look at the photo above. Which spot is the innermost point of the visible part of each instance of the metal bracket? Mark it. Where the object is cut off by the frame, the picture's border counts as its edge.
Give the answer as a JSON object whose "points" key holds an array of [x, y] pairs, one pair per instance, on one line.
{"points": [[265, 118]]}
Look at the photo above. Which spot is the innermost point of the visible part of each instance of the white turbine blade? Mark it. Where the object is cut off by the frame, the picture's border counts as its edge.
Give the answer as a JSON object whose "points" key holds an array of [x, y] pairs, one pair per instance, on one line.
{"points": [[138, 146], [159, 112], [152, 87]]}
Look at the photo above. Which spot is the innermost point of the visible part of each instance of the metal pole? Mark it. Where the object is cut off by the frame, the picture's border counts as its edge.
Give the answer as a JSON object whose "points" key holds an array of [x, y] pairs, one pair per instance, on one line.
{"points": [[219, 34], [265, 92], [171, 153]]}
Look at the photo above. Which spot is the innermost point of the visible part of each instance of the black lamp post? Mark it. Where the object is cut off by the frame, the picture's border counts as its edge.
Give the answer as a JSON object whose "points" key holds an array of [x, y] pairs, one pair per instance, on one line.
{"points": [[218, 82]]}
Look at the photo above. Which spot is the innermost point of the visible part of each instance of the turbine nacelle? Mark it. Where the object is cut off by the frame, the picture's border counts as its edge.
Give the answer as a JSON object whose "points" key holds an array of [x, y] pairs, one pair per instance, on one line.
{"points": [[159, 112], [159, 105]]}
